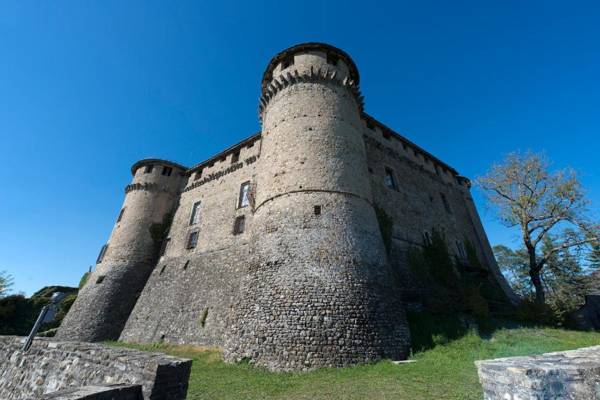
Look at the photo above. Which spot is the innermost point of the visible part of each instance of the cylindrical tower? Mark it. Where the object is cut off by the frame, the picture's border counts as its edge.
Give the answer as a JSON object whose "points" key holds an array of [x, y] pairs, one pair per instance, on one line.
{"points": [[126, 261], [319, 291]]}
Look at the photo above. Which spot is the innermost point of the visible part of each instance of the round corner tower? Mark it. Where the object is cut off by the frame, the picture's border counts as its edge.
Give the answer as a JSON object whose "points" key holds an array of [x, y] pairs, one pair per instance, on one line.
{"points": [[319, 290], [126, 261]]}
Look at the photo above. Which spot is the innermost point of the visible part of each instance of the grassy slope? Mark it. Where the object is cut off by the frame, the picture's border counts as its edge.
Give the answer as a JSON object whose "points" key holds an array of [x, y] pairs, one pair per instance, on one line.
{"points": [[444, 372]]}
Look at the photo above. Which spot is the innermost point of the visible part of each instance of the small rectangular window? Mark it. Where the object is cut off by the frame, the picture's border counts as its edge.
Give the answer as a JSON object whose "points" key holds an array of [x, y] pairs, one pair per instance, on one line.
{"points": [[149, 168], [120, 217], [100, 279], [198, 175], [102, 253], [317, 210], [163, 247], [195, 216], [332, 59], [235, 157], [192, 240], [370, 125], [287, 62], [386, 135], [167, 171], [446, 204], [239, 225], [243, 200], [390, 179]]}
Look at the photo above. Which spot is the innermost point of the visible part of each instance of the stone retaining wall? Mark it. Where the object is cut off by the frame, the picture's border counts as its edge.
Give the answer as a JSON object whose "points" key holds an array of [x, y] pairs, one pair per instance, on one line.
{"points": [[50, 366], [562, 375]]}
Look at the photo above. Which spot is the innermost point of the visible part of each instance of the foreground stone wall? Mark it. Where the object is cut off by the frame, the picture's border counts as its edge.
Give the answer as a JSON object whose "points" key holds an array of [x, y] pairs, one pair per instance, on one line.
{"points": [[50, 366], [566, 375]]}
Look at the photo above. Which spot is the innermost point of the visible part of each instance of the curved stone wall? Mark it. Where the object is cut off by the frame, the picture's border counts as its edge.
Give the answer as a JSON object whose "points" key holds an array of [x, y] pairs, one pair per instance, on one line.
{"points": [[318, 292], [106, 301]]}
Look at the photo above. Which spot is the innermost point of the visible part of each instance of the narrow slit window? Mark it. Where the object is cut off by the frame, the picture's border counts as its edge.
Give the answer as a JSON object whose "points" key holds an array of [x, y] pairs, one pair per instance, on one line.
{"points": [[167, 171], [149, 168], [162, 270], [195, 216], [462, 254], [120, 217], [239, 225], [243, 199], [163, 247], [102, 253], [100, 279], [446, 204], [426, 238], [235, 157], [390, 179], [192, 240], [198, 175]]}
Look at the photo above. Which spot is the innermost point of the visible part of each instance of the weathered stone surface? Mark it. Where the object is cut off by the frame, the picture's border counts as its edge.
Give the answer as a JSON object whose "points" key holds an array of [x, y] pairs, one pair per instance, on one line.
{"points": [[567, 375], [50, 366], [96, 392], [310, 281]]}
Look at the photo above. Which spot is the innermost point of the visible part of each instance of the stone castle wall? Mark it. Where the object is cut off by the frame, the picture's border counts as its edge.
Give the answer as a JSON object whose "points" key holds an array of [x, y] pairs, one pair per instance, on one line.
{"points": [[318, 292], [197, 285], [309, 282], [105, 302]]}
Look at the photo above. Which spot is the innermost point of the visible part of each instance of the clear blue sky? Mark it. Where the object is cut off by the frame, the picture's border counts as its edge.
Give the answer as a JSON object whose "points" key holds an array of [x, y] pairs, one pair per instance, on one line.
{"points": [[87, 88]]}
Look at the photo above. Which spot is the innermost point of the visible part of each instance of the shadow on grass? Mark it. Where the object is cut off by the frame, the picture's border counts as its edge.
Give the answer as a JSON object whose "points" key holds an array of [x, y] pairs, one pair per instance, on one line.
{"points": [[429, 330]]}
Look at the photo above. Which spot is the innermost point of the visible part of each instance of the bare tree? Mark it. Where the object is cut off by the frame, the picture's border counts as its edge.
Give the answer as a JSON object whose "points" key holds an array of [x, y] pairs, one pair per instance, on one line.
{"points": [[6, 282], [540, 203]]}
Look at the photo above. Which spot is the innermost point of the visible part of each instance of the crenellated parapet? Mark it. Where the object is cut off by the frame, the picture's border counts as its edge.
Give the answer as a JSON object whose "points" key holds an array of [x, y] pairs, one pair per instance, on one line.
{"points": [[148, 187], [313, 75]]}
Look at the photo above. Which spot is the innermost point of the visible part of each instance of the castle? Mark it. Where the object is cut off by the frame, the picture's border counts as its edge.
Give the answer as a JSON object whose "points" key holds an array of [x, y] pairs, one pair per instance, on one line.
{"points": [[289, 248]]}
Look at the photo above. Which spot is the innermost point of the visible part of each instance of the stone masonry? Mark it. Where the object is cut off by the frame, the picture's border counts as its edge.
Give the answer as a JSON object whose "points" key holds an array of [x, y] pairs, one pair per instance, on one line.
{"points": [[50, 366], [272, 249], [566, 375]]}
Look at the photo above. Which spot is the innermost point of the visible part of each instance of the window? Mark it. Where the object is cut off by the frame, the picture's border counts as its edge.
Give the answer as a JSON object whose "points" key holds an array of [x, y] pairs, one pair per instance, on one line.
{"points": [[102, 253], [446, 204], [100, 279], [239, 225], [120, 217], [370, 125], [167, 171], [163, 247], [389, 179], [287, 62], [198, 175], [243, 198], [148, 168], [192, 240], [332, 59], [186, 265], [162, 270], [386, 135], [426, 238], [195, 217], [235, 157], [317, 210]]}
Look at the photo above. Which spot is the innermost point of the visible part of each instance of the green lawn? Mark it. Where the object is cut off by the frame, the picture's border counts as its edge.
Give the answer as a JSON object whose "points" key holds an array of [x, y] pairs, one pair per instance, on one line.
{"points": [[444, 371]]}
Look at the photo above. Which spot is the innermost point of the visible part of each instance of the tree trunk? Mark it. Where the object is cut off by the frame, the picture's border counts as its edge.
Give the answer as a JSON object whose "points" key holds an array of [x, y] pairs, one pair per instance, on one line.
{"points": [[536, 280]]}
